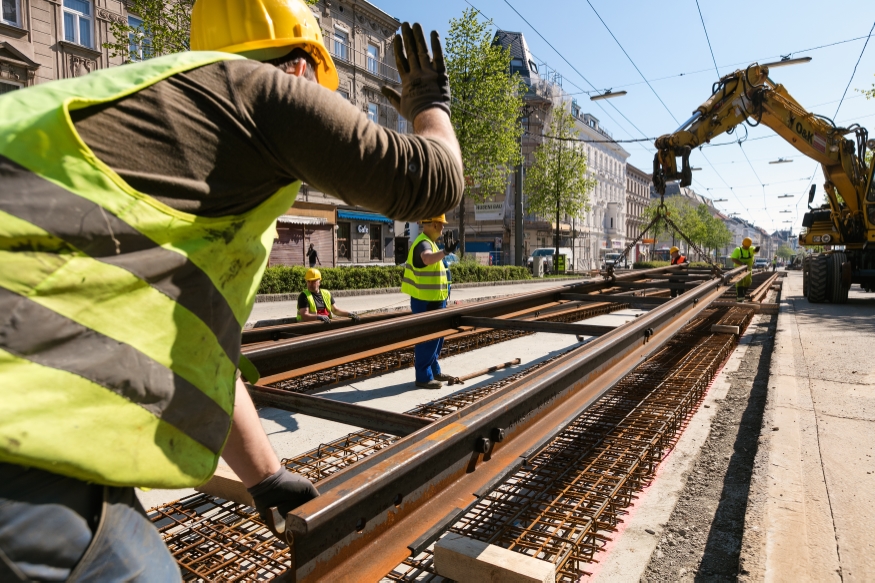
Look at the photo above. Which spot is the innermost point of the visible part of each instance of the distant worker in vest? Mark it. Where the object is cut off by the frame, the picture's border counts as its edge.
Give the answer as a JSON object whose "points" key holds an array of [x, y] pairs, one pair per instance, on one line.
{"points": [[774, 264], [138, 205], [426, 281], [313, 256], [744, 255], [316, 304], [676, 259]]}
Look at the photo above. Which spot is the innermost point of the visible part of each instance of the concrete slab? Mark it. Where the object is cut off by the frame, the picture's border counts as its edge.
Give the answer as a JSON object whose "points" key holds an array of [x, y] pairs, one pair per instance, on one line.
{"points": [[811, 516]]}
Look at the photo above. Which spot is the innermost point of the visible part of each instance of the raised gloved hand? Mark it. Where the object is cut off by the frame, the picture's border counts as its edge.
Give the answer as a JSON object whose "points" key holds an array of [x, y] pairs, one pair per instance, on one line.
{"points": [[450, 245], [284, 491], [323, 318], [756, 249], [424, 82], [355, 317]]}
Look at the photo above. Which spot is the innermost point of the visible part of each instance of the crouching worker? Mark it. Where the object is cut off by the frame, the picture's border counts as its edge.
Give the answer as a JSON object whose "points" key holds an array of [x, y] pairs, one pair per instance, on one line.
{"points": [[315, 303]]}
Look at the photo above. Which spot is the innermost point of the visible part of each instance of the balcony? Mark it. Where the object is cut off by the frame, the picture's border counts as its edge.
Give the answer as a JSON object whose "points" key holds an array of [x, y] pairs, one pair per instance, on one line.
{"points": [[344, 53]]}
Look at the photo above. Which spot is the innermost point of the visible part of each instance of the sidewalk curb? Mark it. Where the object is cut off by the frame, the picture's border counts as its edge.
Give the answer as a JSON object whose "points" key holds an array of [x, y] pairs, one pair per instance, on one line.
{"points": [[345, 293]]}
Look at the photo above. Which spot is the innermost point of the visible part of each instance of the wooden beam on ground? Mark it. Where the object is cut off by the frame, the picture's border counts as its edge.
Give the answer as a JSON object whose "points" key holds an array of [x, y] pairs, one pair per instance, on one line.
{"points": [[535, 326], [399, 424], [467, 560]]}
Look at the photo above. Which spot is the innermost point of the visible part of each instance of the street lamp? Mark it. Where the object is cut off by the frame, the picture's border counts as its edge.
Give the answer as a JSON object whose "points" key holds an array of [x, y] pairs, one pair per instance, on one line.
{"points": [[780, 161], [720, 200], [695, 169], [786, 62], [607, 95], [786, 196], [786, 211]]}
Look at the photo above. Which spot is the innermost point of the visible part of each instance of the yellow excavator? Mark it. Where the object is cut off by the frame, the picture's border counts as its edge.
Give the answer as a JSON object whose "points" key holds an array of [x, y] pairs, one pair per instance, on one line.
{"points": [[845, 225]]}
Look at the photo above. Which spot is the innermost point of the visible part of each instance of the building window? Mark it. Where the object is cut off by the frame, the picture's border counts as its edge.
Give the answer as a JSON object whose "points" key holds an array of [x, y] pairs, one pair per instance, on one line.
{"points": [[77, 22], [373, 58], [139, 43], [516, 65], [10, 12], [376, 243], [341, 44], [344, 94], [7, 87], [372, 112], [344, 250]]}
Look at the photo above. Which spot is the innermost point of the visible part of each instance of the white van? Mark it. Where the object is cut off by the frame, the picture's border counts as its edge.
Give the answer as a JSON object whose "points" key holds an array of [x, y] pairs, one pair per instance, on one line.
{"points": [[548, 253]]}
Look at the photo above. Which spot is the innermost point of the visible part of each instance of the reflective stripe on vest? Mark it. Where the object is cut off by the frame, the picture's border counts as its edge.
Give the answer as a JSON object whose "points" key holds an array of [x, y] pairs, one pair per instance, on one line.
{"points": [[429, 283], [326, 297], [120, 317]]}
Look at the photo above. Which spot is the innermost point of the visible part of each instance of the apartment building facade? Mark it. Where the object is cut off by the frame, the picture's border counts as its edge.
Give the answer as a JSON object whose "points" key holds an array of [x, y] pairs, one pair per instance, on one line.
{"points": [[638, 185]]}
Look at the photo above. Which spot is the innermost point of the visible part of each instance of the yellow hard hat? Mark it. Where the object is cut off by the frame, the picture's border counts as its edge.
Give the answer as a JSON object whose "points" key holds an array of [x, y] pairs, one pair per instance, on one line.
{"points": [[261, 30], [746, 242], [438, 219], [312, 274], [673, 250]]}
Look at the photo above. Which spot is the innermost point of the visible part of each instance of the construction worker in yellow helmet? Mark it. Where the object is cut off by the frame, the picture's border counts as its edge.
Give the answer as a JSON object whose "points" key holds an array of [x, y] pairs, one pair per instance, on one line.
{"points": [[131, 264], [426, 280], [676, 259], [316, 303], [744, 255]]}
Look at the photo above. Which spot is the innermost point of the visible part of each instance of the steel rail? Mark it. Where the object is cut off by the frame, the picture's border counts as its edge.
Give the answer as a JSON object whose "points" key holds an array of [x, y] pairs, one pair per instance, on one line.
{"points": [[316, 348], [290, 330], [359, 504]]}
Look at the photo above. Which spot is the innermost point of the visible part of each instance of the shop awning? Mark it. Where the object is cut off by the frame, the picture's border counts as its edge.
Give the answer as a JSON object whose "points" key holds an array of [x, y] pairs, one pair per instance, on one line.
{"points": [[363, 217], [297, 220]]}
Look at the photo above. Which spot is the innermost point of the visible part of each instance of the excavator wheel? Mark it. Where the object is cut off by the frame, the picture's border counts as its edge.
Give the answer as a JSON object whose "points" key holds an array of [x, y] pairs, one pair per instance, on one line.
{"points": [[837, 292], [817, 278], [805, 276]]}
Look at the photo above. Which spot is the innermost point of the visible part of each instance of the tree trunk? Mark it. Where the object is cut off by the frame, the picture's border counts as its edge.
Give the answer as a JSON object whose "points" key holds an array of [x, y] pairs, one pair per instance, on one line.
{"points": [[556, 258], [461, 248]]}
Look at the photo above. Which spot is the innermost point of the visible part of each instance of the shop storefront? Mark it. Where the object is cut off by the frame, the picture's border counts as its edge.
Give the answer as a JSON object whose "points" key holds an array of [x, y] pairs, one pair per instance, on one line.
{"points": [[364, 238]]}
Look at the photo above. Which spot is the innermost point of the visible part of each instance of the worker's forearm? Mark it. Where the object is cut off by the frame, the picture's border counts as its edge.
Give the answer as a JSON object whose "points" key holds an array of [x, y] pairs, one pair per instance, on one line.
{"points": [[432, 257], [248, 450], [306, 316], [435, 123]]}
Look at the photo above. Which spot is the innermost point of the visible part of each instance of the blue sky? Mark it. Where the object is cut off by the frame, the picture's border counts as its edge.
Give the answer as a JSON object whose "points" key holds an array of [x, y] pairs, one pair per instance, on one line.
{"points": [[667, 42]]}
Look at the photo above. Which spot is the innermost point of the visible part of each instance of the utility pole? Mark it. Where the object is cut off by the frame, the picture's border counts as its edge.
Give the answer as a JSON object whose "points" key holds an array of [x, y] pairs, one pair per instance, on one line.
{"points": [[518, 236]]}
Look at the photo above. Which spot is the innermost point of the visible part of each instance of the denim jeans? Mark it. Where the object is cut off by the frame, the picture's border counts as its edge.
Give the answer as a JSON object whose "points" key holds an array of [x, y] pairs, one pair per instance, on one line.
{"points": [[425, 355], [55, 528]]}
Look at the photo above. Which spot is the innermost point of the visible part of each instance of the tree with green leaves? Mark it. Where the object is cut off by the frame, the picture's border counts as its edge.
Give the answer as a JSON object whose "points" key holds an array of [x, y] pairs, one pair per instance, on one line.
{"points": [[785, 251], [485, 110], [557, 181]]}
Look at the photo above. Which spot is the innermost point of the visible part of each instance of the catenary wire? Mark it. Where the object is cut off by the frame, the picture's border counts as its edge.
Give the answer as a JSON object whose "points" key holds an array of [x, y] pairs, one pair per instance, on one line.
{"points": [[707, 38]]}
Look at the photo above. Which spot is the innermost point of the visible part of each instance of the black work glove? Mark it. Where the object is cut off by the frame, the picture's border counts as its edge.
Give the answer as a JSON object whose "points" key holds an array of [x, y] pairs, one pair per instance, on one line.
{"points": [[355, 318], [756, 249], [322, 318], [284, 491], [424, 81], [450, 246]]}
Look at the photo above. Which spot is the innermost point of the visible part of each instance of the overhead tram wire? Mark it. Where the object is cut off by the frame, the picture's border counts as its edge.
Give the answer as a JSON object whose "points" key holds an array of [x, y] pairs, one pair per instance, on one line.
{"points": [[708, 38], [573, 68], [841, 101], [619, 125]]}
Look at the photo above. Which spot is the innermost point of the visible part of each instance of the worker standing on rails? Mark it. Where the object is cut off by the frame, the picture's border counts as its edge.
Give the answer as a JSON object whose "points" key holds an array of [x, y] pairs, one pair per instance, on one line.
{"points": [[137, 209], [774, 264], [425, 281], [744, 255], [315, 303], [676, 259]]}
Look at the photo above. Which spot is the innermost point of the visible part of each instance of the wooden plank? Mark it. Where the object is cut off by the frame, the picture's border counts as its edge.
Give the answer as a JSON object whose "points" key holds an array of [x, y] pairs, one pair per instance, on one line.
{"points": [[722, 329], [537, 326], [467, 560], [226, 485]]}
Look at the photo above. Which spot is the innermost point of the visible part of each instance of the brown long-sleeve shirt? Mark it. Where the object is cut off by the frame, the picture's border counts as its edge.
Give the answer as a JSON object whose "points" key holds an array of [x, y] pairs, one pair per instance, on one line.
{"points": [[220, 139]]}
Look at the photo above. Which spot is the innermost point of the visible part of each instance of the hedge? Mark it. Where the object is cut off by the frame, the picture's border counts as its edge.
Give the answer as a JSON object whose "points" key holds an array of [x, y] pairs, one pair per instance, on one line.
{"points": [[285, 279]]}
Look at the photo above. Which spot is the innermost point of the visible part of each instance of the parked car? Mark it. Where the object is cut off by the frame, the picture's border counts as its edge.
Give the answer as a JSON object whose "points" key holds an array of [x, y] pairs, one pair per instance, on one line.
{"points": [[612, 258], [548, 252], [761, 263]]}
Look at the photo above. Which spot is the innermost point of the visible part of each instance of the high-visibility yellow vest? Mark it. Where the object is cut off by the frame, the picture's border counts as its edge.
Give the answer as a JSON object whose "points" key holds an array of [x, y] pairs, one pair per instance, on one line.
{"points": [[120, 316], [326, 297], [429, 283], [745, 256]]}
